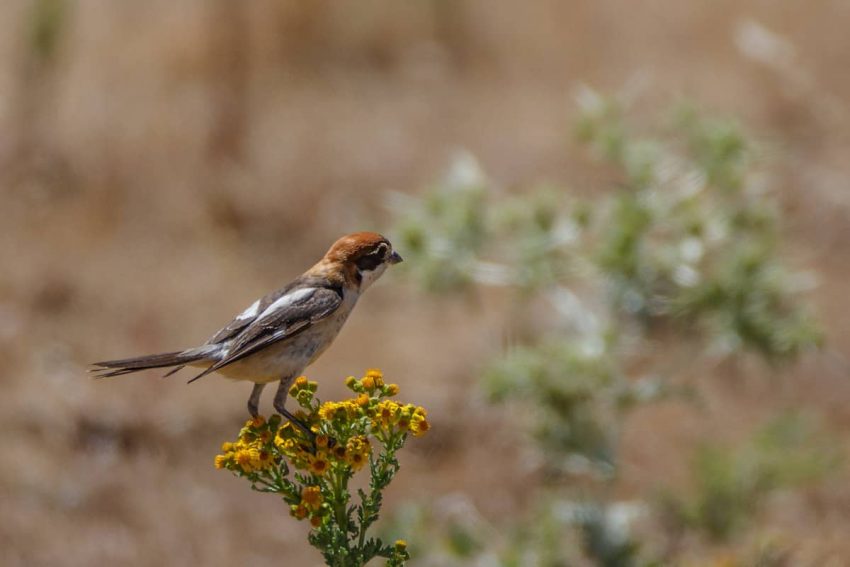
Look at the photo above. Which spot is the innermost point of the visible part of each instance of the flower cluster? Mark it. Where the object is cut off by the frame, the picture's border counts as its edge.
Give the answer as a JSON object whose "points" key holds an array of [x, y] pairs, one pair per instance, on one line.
{"points": [[252, 451], [311, 462], [389, 415]]}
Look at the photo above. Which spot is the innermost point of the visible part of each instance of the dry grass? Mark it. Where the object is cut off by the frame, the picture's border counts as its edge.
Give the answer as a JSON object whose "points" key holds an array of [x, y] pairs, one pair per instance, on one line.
{"points": [[171, 161]]}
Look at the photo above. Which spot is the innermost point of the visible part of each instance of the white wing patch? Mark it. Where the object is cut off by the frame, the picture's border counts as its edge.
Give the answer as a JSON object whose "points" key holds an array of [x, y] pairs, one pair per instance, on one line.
{"points": [[249, 313], [287, 300]]}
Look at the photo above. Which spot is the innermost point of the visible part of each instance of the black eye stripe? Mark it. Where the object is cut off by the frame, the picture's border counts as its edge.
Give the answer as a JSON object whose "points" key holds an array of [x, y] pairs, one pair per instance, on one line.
{"points": [[373, 259], [369, 261]]}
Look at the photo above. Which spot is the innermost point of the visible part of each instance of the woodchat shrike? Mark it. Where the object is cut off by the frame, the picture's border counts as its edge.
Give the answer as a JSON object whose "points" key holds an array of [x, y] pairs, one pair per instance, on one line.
{"points": [[282, 333]]}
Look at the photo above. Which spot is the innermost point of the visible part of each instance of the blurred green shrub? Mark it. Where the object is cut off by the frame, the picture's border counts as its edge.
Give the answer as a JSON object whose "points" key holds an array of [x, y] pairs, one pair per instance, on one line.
{"points": [[450, 531], [686, 239], [453, 534], [459, 226], [693, 235], [578, 392], [47, 22], [690, 237], [602, 536], [732, 483]]}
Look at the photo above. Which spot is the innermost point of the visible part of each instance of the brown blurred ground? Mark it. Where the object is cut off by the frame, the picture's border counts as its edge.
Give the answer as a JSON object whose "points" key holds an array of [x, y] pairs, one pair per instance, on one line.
{"points": [[162, 163]]}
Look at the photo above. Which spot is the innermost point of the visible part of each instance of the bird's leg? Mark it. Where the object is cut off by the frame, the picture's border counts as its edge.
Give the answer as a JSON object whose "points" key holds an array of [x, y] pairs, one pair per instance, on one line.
{"points": [[254, 400], [280, 406]]}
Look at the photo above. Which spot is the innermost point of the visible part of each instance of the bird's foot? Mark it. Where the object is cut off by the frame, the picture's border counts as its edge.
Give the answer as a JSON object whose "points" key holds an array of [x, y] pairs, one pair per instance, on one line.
{"points": [[297, 423]]}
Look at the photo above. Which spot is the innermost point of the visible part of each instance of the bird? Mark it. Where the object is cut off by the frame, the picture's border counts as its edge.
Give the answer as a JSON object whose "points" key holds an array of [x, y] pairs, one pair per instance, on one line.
{"points": [[283, 332]]}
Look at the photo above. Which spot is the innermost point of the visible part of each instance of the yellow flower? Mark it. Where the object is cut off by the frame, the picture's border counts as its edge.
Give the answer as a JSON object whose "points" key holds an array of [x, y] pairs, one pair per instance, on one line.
{"points": [[347, 409], [311, 496], [254, 455], [363, 400], [299, 511], [400, 545], [301, 381], [328, 411], [319, 463], [377, 376], [322, 441], [386, 413], [368, 383], [406, 414], [357, 452], [226, 447], [419, 425], [220, 461], [243, 459], [375, 373], [392, 389], [265, 459], [350, 381], [356, 460]]}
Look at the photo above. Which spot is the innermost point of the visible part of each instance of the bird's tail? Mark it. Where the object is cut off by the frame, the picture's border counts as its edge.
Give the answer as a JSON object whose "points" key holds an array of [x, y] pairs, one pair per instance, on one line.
{"points": [[109, 368]]}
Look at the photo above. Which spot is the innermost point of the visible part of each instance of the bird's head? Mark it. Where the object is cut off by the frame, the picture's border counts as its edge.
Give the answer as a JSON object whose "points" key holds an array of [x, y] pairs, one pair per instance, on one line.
{"points": [[362, 258]]}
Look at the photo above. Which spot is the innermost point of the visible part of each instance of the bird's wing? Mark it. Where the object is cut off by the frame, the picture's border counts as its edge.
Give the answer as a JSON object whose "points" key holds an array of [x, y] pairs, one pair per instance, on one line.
{"points": [[241, 321], [294, 310], [253, 311]]}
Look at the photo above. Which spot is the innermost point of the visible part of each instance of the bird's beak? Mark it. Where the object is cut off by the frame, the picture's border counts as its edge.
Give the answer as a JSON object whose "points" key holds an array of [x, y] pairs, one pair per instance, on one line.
{"points": [[395, 258]]}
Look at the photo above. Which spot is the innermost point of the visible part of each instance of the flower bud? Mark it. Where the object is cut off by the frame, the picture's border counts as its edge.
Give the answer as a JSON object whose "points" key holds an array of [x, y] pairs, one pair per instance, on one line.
{"points": [[304, 397]]}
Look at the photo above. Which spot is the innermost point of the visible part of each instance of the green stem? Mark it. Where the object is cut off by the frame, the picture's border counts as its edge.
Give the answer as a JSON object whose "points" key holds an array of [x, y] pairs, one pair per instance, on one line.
{"points": [[340, 486], [266, 484], [369, 505], [278, 479], [361, 540]]}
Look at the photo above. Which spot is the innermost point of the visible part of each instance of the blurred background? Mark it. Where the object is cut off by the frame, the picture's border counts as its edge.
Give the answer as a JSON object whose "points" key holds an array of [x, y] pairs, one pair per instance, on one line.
{"points": [[162, 164]]}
